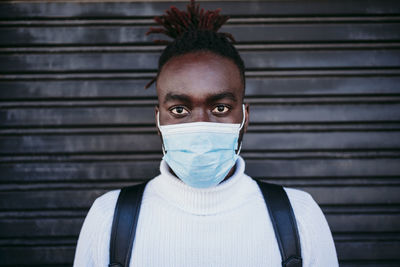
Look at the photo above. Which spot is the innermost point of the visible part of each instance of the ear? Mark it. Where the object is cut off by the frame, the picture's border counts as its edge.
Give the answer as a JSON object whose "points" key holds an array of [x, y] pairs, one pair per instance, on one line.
{"points": [[247, 116], [156, 111]]}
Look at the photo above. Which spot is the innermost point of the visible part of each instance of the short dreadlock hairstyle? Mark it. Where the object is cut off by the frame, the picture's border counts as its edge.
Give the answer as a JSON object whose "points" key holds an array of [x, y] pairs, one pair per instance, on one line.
{"points": [[193, 31]]}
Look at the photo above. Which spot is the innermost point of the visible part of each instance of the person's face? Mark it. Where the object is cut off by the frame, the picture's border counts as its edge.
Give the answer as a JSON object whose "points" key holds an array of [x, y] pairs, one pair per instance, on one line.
{"points": [[200, 87]]}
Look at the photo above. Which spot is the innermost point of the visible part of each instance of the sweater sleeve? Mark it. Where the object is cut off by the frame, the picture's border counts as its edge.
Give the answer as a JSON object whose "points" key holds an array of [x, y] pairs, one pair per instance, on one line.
{"points": [[94, 239], [85, 249], [317, 246]]}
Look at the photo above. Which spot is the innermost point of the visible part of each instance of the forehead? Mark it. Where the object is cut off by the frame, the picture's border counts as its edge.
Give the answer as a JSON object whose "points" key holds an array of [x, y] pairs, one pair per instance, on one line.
{"points": [[199, 75]]}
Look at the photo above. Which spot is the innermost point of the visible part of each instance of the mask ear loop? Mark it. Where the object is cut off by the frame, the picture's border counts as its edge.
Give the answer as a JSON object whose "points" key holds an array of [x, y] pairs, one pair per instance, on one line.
{"points": [[240, 147], [240, 128], [158, 126], [244, 117]]}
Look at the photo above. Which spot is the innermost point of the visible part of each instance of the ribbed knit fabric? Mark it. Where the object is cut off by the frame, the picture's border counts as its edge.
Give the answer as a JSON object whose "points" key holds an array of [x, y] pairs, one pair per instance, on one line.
{"points": [[227, 225]]}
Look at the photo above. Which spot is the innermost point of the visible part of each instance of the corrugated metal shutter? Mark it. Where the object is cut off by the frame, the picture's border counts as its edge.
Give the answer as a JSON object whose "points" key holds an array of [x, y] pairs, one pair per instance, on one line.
{"points": [[323, 84]]}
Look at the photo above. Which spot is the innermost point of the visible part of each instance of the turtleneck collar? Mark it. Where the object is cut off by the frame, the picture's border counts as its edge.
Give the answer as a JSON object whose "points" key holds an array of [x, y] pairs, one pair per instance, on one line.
{"points": [[201, 201]]}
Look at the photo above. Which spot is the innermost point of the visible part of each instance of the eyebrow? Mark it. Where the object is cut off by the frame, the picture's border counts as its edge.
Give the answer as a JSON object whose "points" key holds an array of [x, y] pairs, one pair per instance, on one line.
{"points": [[174, 97], [186, 99], [215, 98]]}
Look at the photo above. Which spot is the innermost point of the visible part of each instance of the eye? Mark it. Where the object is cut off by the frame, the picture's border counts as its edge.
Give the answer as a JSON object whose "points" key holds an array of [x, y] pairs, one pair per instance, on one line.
{"points": [[179, 110], [220, 109]]}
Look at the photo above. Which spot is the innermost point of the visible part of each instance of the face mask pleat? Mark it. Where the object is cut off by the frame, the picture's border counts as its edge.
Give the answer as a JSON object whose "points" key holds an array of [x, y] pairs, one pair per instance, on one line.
{"points": [[199, 142]]}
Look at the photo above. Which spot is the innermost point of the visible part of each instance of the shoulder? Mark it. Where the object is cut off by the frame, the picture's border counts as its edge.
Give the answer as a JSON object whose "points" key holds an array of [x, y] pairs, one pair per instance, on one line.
{"points": [[101, 213], [303, 204], [299, 197], [104, 205], [308, 214]]}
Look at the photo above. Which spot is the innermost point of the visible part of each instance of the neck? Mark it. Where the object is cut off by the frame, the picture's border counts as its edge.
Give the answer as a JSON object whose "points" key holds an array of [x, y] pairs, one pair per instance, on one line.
{"points": [[202, 201]]}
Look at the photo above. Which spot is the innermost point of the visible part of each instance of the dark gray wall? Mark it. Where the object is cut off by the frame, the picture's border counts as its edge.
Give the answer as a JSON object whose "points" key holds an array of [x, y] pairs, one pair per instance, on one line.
{"points": [[323, 84]]}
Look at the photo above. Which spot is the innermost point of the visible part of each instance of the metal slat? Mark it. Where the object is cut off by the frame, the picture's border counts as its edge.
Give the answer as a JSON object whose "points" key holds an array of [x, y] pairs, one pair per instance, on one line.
{"points": [[128, 35], [111, 10], [284, 142], [144, 115], [147, 62], [98, 89]]}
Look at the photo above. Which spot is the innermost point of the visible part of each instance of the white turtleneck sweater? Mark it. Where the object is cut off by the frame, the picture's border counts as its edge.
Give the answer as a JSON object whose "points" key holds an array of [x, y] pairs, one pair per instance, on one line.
{"points": [[227, 225]]}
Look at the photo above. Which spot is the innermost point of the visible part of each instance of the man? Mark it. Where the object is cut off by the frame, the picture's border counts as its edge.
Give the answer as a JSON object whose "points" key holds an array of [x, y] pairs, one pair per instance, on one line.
{"points": [[203, 210]]}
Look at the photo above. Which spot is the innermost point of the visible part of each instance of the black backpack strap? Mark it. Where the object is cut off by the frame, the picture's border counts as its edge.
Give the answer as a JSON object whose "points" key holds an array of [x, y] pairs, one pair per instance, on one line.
{"points": [[284, 223], [123, 229]]}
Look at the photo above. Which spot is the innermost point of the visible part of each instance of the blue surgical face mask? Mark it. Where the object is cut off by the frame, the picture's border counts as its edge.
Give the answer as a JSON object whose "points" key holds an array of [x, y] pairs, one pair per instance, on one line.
{"points": [[201, 154]]}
